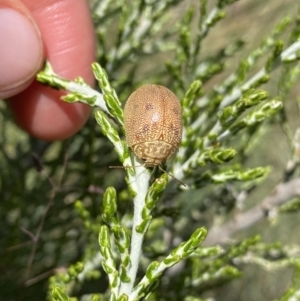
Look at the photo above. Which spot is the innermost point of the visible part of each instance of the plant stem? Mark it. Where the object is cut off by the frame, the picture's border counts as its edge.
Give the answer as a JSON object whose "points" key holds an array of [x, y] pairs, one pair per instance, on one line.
{"points": [[141, 185]]}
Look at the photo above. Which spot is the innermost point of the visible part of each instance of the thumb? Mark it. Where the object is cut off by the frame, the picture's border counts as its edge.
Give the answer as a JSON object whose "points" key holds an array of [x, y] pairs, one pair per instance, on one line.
{"points": [[21, 51]]}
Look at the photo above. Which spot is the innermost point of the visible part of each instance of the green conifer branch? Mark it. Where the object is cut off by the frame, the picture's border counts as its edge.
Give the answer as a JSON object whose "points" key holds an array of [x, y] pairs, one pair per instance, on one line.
{"points": [[235, 106]]}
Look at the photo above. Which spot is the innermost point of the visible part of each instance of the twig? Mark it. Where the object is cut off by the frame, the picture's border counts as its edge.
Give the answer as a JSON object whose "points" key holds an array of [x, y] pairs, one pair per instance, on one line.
{"points": [[35, 238], [281, 194], [142, 178]]}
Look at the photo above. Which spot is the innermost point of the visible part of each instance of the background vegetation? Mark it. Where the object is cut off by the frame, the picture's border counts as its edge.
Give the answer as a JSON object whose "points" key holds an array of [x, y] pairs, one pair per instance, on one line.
{"points": [[44, 230]]}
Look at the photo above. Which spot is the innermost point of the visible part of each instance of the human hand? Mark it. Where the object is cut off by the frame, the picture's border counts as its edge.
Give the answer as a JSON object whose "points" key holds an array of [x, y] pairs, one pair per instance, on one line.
{"points": [[31, 31]]}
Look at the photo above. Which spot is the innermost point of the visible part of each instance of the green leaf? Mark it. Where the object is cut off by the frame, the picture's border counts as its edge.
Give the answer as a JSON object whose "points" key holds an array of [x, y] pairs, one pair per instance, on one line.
{"points": [[59, 295]]}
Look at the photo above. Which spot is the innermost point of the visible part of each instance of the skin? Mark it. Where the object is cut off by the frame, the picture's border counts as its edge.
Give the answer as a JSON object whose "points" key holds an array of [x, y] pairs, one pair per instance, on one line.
{"points": [[60, 31]]}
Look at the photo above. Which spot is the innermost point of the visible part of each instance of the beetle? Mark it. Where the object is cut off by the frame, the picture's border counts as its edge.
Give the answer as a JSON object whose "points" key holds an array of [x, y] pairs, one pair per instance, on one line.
{"points": [[153, 124]]}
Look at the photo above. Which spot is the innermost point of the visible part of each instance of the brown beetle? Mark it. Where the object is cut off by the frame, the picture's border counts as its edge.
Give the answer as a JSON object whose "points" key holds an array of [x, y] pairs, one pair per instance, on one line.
{"points": [[153, 124]]}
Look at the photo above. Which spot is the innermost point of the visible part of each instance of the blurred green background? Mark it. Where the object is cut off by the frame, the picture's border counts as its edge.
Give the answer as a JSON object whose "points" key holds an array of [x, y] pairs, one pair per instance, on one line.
{"points": [[35, 175]]}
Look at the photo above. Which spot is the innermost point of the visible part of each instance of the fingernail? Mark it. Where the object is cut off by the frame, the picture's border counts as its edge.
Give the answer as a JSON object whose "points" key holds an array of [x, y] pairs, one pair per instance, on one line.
{"points": [[21, 51]]}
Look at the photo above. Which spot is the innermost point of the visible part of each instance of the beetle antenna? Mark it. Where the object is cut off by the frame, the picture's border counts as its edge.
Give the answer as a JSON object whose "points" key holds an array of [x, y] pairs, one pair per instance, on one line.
{"points": [[120, 166], [172, 176], [124, 167]]}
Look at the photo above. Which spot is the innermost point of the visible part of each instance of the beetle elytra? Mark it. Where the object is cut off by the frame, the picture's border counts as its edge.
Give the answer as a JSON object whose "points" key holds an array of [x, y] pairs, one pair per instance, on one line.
{"points": [[153, 124]]}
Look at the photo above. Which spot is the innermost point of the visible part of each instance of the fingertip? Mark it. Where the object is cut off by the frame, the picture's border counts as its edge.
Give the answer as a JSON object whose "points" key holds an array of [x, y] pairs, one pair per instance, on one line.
{"points": [[69, 42]]}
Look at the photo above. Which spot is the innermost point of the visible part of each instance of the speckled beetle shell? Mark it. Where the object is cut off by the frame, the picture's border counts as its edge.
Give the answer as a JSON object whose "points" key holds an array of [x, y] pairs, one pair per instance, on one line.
{"points": [[153, 124]]}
